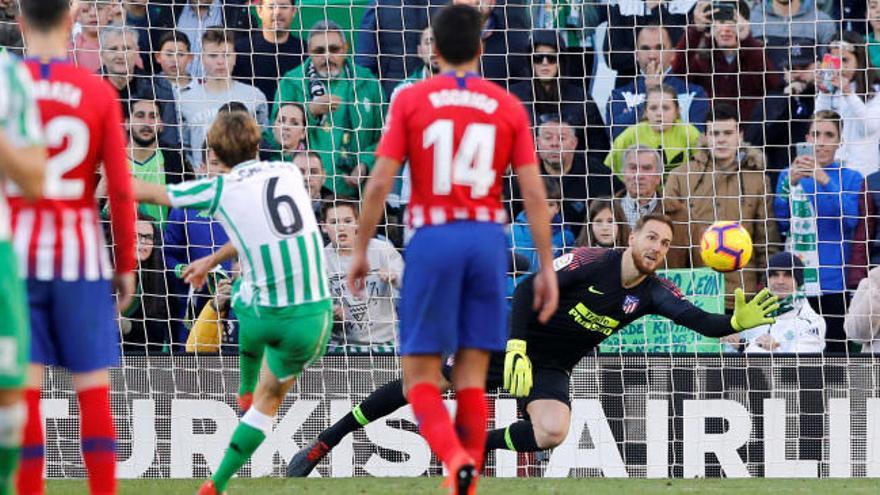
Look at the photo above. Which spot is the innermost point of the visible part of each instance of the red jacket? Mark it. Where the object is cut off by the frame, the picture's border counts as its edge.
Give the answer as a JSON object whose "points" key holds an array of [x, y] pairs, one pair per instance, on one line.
{"points": [[743, 81]]}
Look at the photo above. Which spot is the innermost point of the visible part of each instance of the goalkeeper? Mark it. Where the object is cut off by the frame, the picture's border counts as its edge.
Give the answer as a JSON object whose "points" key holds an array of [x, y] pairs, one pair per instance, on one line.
{"points": [[600, 292]]}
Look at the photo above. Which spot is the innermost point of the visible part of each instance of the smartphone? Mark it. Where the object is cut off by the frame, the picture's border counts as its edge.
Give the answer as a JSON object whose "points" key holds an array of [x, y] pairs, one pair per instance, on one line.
{"points": [[804, 149], [726, 11], [830, 65]]}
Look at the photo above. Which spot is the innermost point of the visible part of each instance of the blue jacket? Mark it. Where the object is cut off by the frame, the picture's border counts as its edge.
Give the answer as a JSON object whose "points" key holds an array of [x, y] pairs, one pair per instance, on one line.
{"points": [[520, 241], [626, 106], [188, 237], [837, 207]]}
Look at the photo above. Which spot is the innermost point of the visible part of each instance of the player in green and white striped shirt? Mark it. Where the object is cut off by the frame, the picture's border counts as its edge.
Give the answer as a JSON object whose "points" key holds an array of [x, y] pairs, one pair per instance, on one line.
{"points": [[282, 300], [23, 161]]}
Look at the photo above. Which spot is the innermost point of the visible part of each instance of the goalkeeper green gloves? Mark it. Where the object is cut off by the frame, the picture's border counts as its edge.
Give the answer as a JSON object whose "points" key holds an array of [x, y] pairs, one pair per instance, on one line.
{"points": [[753, 313], [517, 369]]}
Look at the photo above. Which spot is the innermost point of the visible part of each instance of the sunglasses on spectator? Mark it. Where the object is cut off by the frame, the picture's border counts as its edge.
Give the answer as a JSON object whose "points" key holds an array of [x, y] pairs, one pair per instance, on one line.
{"points": [[546, 58], [334, 49]]}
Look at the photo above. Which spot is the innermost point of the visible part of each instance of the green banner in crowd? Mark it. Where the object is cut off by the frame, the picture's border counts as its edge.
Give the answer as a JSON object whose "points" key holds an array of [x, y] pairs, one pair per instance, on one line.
{"points": [[655, 334]]}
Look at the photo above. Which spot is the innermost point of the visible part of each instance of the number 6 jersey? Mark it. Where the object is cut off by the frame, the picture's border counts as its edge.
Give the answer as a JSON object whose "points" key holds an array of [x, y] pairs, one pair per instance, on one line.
{"points": [[267, 213], [59, 236], [460, 133]]}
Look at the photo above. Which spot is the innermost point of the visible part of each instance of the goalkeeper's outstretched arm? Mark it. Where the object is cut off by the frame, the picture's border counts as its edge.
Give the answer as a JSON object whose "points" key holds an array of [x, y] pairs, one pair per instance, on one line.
{"points": [[745, 315]]}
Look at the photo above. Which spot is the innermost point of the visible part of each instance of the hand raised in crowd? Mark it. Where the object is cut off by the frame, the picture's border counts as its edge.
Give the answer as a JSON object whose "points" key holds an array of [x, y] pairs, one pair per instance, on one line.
{"points": [[388, 277], [224, 294], [806, 167], [793, 85], [735, 340], [833, 81], [357, 174], [196, 273], [703, 15], [324, 104], [767, 342], [338, 312], [654, 74]]}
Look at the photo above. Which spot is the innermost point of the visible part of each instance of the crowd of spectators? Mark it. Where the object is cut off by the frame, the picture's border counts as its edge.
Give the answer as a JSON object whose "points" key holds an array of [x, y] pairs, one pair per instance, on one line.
{"points": [[761, 112]]}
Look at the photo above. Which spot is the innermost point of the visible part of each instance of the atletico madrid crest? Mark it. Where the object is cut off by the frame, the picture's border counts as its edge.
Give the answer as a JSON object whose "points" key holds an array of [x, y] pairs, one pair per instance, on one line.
{"points": [[630, 304]]}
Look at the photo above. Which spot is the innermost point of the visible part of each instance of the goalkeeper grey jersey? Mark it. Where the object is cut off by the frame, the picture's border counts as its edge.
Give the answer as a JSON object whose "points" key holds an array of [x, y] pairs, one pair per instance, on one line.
{"points": [[267, 213]]}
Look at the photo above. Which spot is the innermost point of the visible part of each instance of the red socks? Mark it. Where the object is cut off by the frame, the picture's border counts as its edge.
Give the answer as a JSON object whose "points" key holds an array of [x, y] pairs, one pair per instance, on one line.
{"points": [[435, 424], [30, 474], [470, 422], [98, 439]]}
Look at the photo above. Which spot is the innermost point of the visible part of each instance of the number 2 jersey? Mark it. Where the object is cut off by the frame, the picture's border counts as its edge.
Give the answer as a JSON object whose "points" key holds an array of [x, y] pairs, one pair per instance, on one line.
{"points": [[593, 304], [459, 133], [59, 237], [267, 213]]}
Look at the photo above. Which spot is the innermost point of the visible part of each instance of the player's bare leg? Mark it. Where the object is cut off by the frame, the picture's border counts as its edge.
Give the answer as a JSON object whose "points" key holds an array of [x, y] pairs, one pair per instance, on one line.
{"points": [[251, 431], [97, 433], [550, 420], [546, 428], [420, 368], [421, 381], [30, 475]]}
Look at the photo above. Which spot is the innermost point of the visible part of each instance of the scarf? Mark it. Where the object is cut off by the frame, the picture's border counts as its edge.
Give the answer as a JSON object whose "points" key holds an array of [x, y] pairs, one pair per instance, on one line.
{"points": [[803, 234], [319, 86], [569, 17], [789, 303]]}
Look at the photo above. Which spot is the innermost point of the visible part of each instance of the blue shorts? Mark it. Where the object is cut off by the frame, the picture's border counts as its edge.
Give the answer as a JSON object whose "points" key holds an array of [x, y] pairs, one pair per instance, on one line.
{"points": [[453, 294], [73, 324]]}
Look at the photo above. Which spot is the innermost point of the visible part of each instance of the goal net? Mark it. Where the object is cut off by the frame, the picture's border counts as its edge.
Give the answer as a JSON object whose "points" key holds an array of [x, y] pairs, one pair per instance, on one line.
{"points": [[741, 111]]}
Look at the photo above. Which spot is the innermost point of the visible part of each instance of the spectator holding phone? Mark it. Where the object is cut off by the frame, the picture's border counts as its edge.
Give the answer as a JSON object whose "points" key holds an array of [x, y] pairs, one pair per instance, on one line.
{"points": [[786, 114], [719, 53], [817, 208], [848, 87]]}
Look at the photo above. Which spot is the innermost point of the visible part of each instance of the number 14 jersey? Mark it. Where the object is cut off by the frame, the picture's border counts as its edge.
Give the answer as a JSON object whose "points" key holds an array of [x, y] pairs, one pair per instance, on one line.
{"points": [[459, 133], [267, 214]]}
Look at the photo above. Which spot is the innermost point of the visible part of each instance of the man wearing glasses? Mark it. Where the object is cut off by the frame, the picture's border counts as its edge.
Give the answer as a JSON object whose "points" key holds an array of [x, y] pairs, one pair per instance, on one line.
{"points": [[343, 105], [654, 55]]}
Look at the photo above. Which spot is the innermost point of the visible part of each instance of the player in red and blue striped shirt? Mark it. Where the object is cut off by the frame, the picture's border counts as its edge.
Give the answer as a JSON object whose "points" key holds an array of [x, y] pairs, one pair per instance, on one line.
{"points": [[460, 133], [60, 243]]}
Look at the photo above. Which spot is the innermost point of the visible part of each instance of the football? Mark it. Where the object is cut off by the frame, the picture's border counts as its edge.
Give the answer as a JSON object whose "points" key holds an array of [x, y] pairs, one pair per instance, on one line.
{"points": [[726, 246]]}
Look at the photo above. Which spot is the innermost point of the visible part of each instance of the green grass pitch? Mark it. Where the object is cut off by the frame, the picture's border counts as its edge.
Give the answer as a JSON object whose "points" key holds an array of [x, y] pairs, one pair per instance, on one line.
{"points": [[531, 486]]}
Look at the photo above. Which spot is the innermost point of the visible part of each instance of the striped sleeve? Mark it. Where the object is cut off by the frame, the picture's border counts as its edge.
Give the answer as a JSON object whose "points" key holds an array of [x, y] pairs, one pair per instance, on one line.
{"points": [[203, 194], [23, 122]]}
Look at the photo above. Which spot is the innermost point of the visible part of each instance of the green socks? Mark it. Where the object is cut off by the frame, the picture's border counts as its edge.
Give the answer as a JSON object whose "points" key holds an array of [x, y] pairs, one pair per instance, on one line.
{"points": [[247, 437], [8, 462], [11, 422]]}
